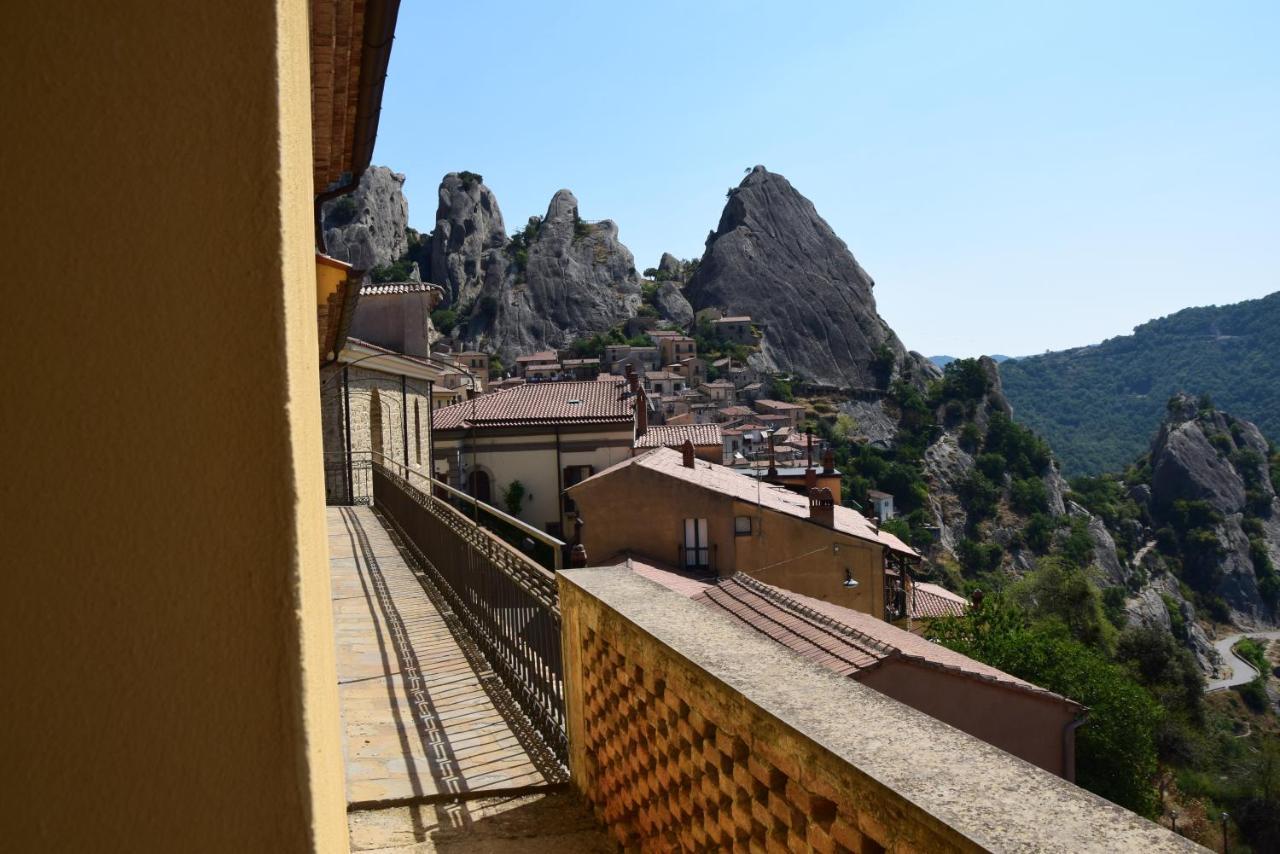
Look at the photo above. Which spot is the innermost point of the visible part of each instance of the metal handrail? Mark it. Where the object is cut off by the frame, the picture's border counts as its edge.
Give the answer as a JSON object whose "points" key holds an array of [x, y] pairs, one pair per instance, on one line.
{"points": [[557, 545]]}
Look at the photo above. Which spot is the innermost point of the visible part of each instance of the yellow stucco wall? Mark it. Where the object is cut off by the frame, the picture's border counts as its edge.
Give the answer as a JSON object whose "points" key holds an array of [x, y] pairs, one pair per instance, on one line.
{"points": [[530, 458], [166, 639]]}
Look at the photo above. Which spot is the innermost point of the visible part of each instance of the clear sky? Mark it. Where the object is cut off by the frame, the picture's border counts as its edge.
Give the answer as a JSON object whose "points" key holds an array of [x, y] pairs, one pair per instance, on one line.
{"points": [[1016, 176]]}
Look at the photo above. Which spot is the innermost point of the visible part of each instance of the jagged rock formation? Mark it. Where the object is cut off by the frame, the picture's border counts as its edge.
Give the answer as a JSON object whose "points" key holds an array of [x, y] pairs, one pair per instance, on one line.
{"points": [[671, 303], [670, 266], [367, 228], [468, 239], [774, 258], [1203, 455], [572, 280]]}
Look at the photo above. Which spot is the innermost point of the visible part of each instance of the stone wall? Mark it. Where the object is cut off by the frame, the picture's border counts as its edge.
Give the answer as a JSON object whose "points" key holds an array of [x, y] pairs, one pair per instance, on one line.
{"points": [[375, 400], [688, 732]]}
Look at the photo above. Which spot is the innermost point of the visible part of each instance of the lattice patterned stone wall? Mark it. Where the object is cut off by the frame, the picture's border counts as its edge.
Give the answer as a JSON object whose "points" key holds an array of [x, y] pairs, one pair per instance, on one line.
{"points": [[671, 767]]}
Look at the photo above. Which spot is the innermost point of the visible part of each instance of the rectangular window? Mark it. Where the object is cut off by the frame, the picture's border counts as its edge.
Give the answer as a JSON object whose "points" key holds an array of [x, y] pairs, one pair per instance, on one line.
{"points": [[696, 551], [741, 525]]}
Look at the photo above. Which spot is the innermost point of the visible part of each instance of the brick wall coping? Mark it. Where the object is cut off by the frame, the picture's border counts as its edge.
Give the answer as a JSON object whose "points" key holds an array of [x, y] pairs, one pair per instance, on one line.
{"points": [[974, 793]]}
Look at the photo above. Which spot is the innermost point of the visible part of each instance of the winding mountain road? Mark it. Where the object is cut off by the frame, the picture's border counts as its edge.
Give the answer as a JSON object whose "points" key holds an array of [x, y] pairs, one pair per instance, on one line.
{"points": [[1241, 670]]}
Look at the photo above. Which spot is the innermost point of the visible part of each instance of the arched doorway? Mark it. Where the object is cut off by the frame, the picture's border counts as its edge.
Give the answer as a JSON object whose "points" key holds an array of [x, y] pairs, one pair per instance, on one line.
{"points": [[478, 486]]}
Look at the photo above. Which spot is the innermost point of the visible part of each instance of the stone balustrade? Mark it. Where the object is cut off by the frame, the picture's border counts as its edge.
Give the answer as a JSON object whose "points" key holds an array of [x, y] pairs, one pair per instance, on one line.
{"points": [[688, 732]]}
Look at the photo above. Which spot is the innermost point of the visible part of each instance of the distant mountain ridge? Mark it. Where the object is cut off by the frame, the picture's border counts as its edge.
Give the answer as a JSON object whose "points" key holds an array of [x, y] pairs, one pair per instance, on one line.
{"points": [[1098, 405]]}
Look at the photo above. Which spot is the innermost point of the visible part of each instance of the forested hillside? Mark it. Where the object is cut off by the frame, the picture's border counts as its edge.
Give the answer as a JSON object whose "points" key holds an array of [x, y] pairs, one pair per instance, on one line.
{"points": [[1099, 405]]}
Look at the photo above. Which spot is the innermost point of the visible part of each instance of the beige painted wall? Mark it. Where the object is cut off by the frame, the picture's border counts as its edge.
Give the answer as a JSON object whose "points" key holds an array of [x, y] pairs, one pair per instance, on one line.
{"points": [[165, 633], [508, 456], [640, 511], [1028, 726]]}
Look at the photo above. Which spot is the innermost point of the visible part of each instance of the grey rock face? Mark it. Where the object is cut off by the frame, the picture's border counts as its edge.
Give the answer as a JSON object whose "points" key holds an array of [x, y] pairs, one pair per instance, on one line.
{"points": [[468, 235], [1210, 456], [367, 228], [1104, 554], [672, 305], [578, 280], [773, 257], [670, 265]]}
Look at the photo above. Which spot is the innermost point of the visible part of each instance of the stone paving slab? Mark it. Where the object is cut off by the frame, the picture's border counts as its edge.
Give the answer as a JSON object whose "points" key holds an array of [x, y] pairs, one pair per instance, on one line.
{"points": [[418, 721]]}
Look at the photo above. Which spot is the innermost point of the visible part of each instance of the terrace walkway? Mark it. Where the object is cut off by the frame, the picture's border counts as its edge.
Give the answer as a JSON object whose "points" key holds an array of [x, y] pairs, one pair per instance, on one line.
{"points": [[436, 755]]}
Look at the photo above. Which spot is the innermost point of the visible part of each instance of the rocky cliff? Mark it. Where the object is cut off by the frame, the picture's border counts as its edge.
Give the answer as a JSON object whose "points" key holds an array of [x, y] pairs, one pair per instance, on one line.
{"points": [[563, 278], [367, 228], [469, 238], [1211, 489], [774, 258]]}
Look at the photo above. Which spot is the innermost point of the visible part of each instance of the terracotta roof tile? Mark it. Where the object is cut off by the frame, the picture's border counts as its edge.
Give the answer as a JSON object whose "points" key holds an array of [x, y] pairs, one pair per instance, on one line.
{"points": [[778, 404], [588, 402], [381, 289], [930, 600], [674, 435]]}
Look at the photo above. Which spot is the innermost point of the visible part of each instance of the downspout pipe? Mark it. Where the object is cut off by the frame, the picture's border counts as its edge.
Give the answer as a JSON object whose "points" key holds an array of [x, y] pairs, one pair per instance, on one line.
{"points": [[404, 417], [1069, 746]]}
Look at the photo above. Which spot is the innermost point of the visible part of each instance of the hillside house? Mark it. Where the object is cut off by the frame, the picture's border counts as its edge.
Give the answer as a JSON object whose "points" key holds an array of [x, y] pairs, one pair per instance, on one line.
{"points": [[881, 504], [793, 412], [541, 365], [547, 435], [737, 329], [676, 348], [682, 511]]}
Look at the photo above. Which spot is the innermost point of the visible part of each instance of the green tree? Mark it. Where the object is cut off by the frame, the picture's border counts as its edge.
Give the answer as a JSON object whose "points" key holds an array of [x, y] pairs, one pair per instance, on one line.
{"points": [[1116, 748], [1059, 591], [513, 497]]}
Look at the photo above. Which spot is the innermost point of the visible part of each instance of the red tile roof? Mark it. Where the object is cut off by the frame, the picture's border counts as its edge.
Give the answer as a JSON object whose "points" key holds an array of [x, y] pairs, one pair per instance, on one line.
{"points": [[674, 435], [372, 290], [543, 356], [778, 404], [589, 402], [929, 600]]}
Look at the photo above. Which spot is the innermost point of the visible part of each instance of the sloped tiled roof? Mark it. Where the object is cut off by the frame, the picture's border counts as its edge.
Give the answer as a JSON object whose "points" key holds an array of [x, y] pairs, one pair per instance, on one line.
{"points": [[930, 600], [726, 481], [674, 435], [384, 288], [588, 402], [841, 639], [541, 356], [778, 404]]}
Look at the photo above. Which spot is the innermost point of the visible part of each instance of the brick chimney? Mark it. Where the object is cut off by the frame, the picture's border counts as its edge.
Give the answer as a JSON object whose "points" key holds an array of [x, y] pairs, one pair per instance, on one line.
{"points": [[687, 451], [829, 462], [822, 508], [642, 413], [633, 379]]}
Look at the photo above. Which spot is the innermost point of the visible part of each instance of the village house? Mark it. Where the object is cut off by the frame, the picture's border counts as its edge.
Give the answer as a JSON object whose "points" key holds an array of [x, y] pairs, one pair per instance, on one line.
{"points": [[682, 511], [543, 364], [641, 359], [396, 315], [738, 330], [881, 504], [546, 435], [1012, 714], [734, 414], [676, 348], [720, 391], [793, 412], [581, 369], [659, 383], [670, 405], [474, 361]]}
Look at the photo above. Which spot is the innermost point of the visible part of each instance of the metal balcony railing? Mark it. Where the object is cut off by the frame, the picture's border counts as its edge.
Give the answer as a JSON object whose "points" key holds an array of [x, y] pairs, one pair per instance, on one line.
{"points": [[506, 600]]}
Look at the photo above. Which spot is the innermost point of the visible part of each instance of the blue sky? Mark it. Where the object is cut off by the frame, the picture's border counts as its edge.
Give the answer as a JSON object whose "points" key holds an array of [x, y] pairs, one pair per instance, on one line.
{"points": [[1016, 177]]}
